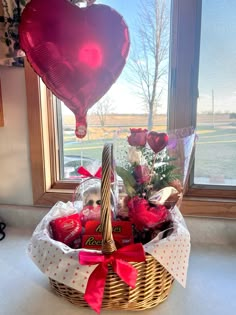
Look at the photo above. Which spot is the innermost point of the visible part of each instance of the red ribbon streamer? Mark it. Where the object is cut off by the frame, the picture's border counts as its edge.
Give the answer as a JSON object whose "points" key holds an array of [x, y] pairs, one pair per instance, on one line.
{"points": [[85, 173], [118, 260]]}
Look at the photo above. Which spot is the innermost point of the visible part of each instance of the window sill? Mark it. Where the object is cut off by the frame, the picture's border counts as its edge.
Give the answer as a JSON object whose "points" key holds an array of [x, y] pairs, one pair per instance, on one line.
{"points": [[193, 206], [209, 207]]}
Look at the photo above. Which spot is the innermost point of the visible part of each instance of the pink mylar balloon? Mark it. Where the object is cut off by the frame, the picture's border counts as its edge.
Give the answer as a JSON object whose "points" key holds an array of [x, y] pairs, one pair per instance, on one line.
{"points": [[78, 52]]}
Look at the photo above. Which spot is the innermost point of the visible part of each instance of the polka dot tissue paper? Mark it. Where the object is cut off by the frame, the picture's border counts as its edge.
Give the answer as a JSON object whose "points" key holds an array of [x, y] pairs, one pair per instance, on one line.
{"points": [[57, 260], [60, 262]]}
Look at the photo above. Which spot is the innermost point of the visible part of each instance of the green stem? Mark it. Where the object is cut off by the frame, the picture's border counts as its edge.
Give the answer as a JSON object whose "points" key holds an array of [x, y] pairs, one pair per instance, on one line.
{"points": [[153, 164]]}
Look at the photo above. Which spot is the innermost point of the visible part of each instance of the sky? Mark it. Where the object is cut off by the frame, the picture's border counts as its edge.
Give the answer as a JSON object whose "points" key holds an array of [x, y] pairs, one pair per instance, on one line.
{"points": [[218, 56], [121, 92], [217, 72]]}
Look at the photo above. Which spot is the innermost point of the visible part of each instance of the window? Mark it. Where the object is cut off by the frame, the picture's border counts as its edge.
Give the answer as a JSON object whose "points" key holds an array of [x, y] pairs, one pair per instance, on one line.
{"points": [[132, 95], [50, 181], [216, 114]]}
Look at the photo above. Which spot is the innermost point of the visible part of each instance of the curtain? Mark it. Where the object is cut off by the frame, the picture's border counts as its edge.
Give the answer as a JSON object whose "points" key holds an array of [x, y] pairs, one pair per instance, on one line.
{"points": [[10, 13]]}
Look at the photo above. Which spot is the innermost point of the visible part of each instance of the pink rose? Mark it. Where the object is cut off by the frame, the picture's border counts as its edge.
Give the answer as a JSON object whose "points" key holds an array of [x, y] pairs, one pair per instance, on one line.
{"points": [[142, 174], [137, 137]]}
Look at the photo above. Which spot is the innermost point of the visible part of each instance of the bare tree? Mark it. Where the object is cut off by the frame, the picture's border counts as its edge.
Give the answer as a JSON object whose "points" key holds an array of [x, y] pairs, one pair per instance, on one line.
{"points": [[147, 64], [102, 108]]}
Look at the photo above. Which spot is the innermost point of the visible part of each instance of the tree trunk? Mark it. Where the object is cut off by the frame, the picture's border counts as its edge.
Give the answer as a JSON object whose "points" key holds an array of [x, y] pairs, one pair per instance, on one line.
{"points": [[150, 119]]}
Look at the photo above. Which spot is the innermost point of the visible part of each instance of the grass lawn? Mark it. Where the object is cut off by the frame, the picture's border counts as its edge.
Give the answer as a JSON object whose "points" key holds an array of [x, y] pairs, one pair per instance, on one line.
{"points": [[216, 153]]}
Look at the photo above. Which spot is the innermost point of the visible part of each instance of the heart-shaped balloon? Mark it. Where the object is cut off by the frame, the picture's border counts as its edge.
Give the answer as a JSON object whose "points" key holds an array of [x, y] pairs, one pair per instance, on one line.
{"points": [[78, 52], [157, 141]]}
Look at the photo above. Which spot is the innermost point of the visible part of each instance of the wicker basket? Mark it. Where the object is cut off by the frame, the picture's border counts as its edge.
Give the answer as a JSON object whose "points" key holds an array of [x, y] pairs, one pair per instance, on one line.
{"points": [[153, 282]]}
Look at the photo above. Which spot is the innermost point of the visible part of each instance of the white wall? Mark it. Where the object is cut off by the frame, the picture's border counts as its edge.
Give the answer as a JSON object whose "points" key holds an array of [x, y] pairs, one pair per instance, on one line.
{"points": [[15, 173]]}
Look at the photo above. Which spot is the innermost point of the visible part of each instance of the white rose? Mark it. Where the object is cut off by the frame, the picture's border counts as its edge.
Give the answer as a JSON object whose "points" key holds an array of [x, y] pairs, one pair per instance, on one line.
{"points": [[134, 156]]}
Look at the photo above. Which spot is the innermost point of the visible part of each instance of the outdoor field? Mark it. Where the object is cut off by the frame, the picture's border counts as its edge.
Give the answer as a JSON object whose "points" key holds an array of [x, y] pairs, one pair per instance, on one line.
{"points": [[215, 161]]}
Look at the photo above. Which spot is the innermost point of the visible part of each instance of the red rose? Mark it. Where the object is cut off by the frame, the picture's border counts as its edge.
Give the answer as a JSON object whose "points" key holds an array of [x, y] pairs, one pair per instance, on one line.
{"points": [[142, 174], [142, 215], [137, 137]]}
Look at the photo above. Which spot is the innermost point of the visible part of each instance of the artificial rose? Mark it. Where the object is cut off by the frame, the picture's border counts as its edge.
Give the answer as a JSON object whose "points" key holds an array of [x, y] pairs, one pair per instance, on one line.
{"points": [[134, 156], [143, 215], [137, 137], [142, 174]]}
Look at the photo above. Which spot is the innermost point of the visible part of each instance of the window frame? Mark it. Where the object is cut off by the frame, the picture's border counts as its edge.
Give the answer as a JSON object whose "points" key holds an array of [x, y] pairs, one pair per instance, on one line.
{"points": [[199, 200]]}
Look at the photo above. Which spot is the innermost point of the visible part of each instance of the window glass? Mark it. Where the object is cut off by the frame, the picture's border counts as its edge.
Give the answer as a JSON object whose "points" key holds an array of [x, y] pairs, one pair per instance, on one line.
{"points": [[127, 104], [216, 117]]}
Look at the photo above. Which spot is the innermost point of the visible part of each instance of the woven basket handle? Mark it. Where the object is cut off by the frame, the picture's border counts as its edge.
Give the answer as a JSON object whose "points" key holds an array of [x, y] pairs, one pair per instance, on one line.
{"points": [[108, 244]]}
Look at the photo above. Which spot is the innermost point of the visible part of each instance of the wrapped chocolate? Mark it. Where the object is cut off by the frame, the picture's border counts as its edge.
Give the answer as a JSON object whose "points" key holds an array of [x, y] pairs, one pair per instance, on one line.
{"points": [[66, 229], [121, 230]]}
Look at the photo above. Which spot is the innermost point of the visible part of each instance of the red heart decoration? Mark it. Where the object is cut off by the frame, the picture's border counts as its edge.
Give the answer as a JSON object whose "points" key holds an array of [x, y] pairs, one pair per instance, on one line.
{"points": [[157, 141], [78, 52]]}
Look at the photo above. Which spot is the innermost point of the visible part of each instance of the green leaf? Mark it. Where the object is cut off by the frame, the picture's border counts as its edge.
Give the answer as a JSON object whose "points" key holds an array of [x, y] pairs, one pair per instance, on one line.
{"points": [[128, 180]]}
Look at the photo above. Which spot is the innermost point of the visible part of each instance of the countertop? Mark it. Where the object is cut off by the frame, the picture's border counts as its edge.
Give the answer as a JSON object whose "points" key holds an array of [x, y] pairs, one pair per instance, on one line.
{"points": [[211, 284]]}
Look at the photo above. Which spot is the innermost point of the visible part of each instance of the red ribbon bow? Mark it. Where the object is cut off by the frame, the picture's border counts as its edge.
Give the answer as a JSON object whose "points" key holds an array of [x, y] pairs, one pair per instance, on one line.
{"points": [[118, 260], [85, 173]]}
